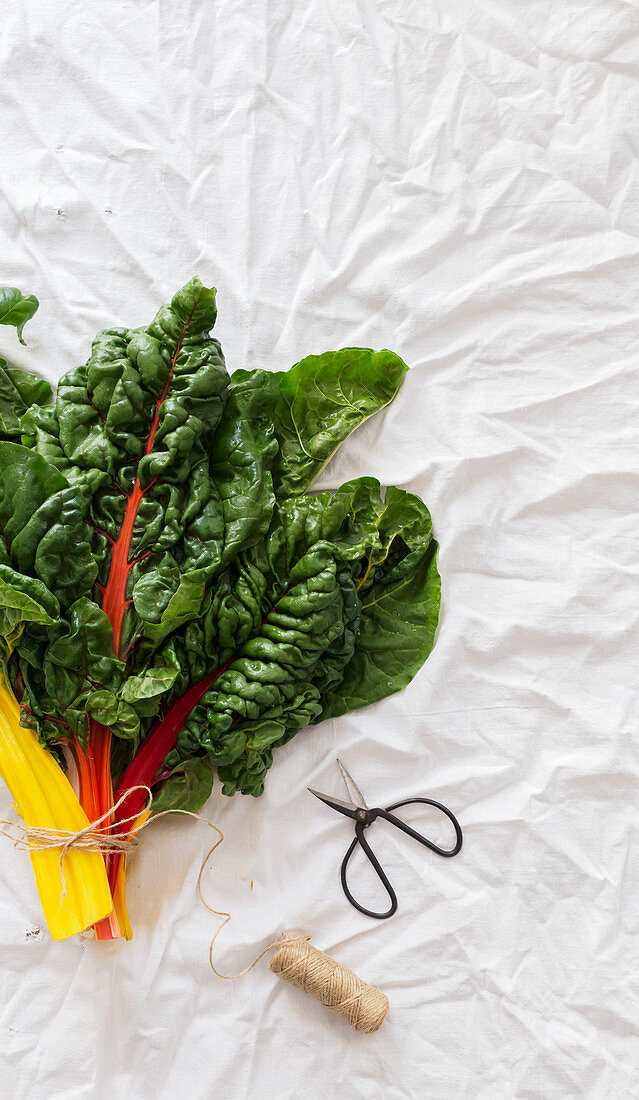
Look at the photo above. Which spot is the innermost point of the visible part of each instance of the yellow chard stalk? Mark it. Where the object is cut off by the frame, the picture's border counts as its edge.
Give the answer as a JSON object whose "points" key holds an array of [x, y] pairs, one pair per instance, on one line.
{"points": [[44, 798]]}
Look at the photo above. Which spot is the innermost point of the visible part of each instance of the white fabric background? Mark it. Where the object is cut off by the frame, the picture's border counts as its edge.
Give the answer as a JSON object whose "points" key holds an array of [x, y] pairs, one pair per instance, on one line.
{"points": [[457, 181]]}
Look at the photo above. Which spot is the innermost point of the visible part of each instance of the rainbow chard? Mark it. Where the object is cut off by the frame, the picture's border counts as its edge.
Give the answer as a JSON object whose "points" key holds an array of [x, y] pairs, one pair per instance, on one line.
{"points": [[219, 607]]}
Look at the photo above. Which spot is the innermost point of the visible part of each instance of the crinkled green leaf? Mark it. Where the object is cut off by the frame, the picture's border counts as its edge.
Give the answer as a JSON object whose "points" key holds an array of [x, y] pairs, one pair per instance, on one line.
{"points": [[400, 593], [78, 663], [22, 600], [235, 490], [322, 399], [188, 787], [42, 530], [242, 453], [117, 715], [166, 598], [31, 389], [16, 308], [147, 690], [247, 771], [18, 390], [155, 681]]}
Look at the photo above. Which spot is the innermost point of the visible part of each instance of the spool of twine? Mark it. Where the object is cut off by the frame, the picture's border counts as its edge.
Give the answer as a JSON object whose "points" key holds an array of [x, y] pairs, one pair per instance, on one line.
{"points": [[363, 1006]]}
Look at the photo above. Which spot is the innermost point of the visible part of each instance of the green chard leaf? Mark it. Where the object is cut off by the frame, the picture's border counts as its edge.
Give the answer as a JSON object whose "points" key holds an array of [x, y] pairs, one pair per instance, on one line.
{"points": [[16, 308], [22, 600], [322, 399], [42, 529], [400, 594], [72, 674], [149, 684], [120, 717], [18, 391], [188, 787], [243, 451]]}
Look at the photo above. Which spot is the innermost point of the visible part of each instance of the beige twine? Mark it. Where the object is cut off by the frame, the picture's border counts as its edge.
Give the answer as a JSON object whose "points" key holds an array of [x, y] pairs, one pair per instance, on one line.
{"points": [[334, 985], [363, 1006]]}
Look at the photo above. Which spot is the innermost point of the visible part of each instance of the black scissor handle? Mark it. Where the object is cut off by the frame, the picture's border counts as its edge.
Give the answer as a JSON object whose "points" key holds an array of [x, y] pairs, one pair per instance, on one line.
{"points": [[446, 852], [386, 813], [361, 840]]}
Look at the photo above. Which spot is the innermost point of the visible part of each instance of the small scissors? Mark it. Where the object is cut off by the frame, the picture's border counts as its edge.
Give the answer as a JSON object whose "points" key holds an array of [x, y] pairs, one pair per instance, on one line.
{"points": [[363, 817]]}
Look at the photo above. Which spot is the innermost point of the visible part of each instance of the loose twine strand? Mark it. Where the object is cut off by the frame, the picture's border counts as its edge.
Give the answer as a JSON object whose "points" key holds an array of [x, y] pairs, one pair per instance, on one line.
{"points": [[296, 961]]}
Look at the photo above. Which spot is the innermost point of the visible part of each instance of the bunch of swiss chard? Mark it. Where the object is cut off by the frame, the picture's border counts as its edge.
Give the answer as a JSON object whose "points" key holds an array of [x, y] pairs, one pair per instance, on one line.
{"points": [[174, 602]]}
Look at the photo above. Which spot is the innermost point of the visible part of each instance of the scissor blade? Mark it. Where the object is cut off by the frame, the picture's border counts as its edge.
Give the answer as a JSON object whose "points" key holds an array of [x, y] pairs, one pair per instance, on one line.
{"points": [[335, 803], [355, 795]]}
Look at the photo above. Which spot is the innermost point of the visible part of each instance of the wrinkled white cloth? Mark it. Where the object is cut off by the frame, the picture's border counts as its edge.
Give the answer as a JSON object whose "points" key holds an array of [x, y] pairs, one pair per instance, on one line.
{"points": [[457, 182]]}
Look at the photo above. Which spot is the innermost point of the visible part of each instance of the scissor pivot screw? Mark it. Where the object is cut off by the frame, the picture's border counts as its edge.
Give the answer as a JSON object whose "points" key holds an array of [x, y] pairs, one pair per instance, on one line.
{"points": [[362, 815]]}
